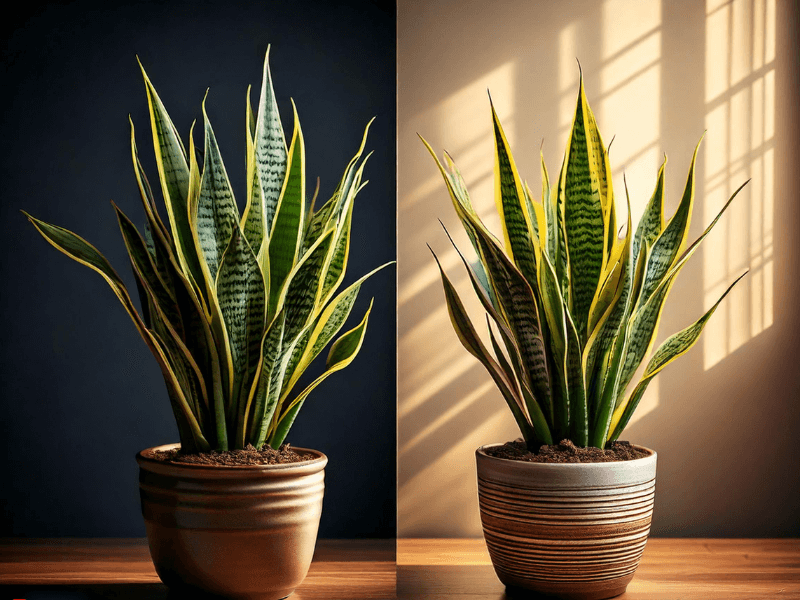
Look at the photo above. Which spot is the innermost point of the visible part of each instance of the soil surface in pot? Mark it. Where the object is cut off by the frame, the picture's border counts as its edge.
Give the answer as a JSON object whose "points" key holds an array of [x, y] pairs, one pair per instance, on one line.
{"points": [[249, 456], [567, 452]]}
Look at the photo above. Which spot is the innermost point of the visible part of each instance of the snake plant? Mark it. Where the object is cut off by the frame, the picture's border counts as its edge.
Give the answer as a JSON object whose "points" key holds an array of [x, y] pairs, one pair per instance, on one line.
{"points": [[235, 307], [575, 302]]}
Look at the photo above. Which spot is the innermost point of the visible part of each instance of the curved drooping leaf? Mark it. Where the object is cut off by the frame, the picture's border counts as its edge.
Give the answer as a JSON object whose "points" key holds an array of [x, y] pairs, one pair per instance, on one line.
{"points": [[466, 213], [673, 347], [342, 353], [286, 233], [143, 265], [326, 326], [145, 190], [513, 294], [195, 314], [644, 322], [470, 340], [80, 250]]}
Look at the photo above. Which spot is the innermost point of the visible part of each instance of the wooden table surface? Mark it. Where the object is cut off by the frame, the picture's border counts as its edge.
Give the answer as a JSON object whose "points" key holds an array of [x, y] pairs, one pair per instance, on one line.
{"points": [[671, 569], [77, 569]]}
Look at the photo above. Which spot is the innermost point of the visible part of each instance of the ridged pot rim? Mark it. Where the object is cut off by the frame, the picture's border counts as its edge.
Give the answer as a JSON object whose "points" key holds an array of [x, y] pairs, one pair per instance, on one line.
{"points": [[592, 466], [296, 469]]}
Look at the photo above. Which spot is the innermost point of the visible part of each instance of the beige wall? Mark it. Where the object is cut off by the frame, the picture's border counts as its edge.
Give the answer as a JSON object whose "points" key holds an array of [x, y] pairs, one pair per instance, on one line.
{"points": [[725, 418]]}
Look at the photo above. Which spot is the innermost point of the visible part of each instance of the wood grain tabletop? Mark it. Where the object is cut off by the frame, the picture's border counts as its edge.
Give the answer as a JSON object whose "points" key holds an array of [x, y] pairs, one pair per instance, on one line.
{"points": [[78, 569], [671, 569]]}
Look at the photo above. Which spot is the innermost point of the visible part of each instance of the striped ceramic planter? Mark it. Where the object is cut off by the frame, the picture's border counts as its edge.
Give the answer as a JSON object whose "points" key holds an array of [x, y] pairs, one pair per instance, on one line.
{"points": [[573, 530]]}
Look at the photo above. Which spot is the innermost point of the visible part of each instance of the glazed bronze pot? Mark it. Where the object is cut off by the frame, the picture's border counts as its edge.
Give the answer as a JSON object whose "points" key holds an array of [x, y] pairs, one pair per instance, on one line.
{"points": [[569, 530], [244, 532]]}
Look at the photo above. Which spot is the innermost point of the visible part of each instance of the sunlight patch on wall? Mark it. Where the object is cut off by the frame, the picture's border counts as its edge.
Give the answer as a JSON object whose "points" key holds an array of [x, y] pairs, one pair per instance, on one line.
{"points": [[740, 113], [435, 492], [462, 125], [627, 101], [446, 400], [629, 104]]}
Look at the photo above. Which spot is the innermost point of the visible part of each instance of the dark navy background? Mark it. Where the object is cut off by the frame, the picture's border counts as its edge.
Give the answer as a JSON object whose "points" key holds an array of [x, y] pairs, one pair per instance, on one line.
{"points": [[80, 393]]}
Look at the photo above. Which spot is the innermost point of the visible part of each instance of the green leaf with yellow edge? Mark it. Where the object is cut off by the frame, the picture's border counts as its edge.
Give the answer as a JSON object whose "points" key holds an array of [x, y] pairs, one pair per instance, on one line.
{"points": [[217, 213], [83, 252], [336, 262], [581, 192], [513, 374], [254, 216], [271, 158], [145, 269], [303, 287], [195, 313], [266, 388], [173, 171], [469, 339], [464, 209], [240, 290], [652, 222], [286, 233], [332, 210], [673, 347], [514, 295], [672, 239], [342, 353], [326, 326], [146, 191], [509, 196], [644, 322], [555, 314]]}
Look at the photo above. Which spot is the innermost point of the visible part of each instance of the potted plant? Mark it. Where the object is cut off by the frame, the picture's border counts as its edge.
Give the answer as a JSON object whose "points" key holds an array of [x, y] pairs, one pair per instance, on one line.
{"points": [[573, 308], [234, 308]]}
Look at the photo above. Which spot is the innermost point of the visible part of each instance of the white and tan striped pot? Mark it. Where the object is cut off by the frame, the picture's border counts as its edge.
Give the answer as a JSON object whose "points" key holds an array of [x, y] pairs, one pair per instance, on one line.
{"points": [[569, 530]]}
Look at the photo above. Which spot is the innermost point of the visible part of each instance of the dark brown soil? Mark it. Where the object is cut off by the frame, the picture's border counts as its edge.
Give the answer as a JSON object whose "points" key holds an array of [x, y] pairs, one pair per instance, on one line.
{"points": [[249, 456], [567, 452]]}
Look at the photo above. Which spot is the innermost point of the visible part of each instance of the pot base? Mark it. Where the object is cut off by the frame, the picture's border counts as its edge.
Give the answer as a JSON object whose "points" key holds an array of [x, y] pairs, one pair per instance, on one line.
{"points": [[187, 592], [573, 591]]}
